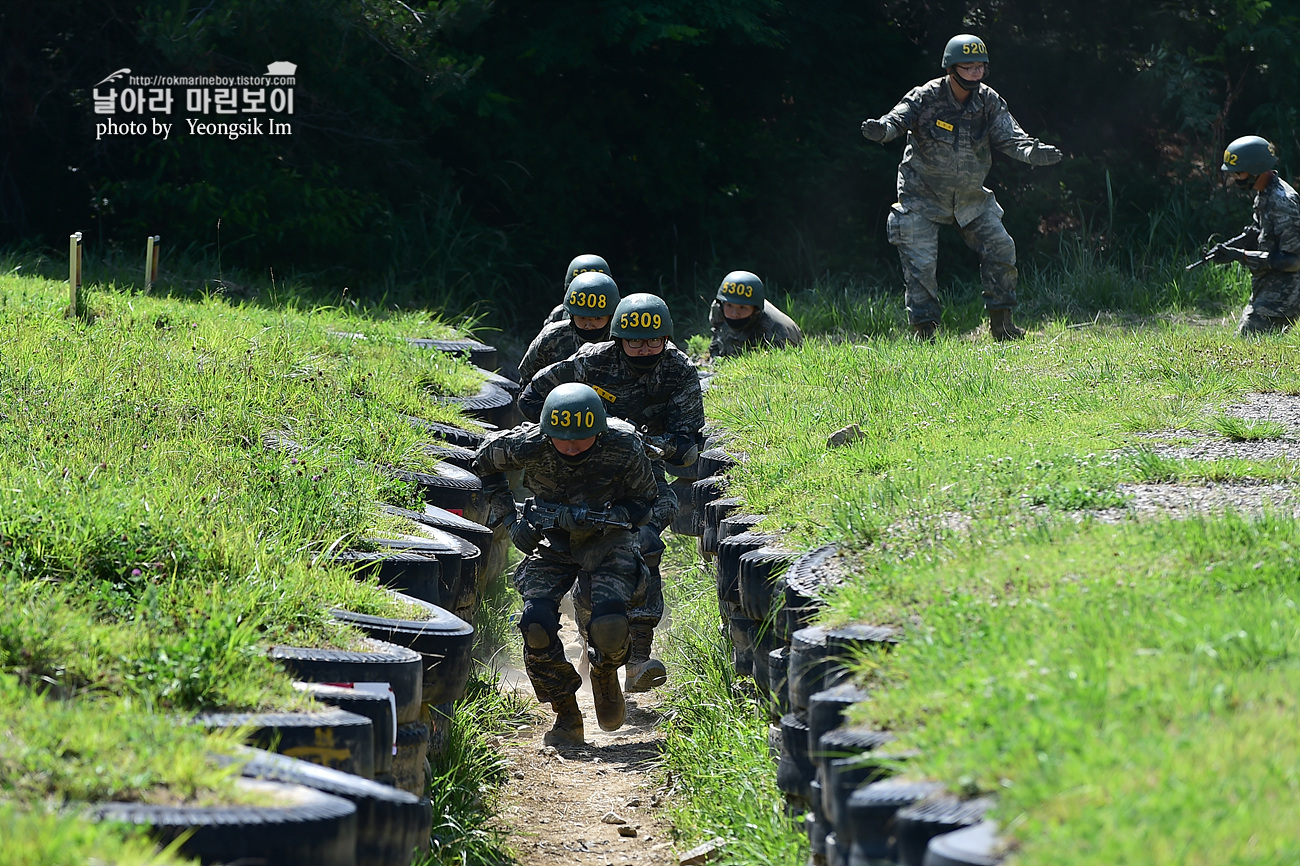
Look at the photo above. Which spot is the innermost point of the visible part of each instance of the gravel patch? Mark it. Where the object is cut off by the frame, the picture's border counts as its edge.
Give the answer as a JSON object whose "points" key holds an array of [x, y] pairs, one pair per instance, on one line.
{"points": [[1165, 501], [1283, 409]]}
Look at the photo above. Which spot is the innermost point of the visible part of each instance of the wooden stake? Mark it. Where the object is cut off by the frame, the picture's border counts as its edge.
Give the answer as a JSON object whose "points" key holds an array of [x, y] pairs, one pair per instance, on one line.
{"points": [[151, 250], [74, 271]]}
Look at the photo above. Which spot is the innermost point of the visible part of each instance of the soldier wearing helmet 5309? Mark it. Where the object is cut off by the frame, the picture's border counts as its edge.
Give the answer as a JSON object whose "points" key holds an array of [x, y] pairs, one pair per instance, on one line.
{"points": [[952, 125], [650, 383], [583, 264], [577, 464], [589, 301], [1270, 246], [742, 318]]}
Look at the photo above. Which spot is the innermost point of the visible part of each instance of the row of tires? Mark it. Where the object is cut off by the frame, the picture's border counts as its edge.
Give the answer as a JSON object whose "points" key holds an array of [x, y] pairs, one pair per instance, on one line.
{"points": [[843, 782], [349, 786]]}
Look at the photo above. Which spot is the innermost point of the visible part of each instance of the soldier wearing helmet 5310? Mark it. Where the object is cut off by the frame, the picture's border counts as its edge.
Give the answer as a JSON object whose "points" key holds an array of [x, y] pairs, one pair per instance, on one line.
{"points": [[1270, 246], [589, 302], [952, 125], [742, 318], [583, 264], [650, 383], [577, 461]]}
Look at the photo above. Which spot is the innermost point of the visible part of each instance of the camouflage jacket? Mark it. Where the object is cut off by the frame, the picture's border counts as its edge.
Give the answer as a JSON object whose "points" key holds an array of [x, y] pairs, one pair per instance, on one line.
{"points": [[556, 342], [617, 472], [559, 314], [773, 328], [663, 402], [1277, 224], [949, 149]]}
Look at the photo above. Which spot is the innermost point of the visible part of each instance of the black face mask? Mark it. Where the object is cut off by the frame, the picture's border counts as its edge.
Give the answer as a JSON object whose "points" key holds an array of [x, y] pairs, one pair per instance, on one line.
{"points": [[1244, 183], [643, 364], [592, 335], [575, 459], [968, 86], [742, 324]]}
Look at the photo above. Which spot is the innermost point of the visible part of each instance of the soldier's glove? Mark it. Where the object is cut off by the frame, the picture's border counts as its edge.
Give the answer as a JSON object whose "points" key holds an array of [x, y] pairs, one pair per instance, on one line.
{"points": [[524, 536], [619, 514], [566, 518], [1225, 255], [874, 130], [1044, 154]]}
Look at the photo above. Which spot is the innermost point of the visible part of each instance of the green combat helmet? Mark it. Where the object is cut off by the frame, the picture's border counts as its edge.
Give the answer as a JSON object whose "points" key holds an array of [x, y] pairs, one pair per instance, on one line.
{"points": [[573, 411], [583, 264], [1250, 154], [964, 48], [591, 295], [640, 317], [741, 287]]}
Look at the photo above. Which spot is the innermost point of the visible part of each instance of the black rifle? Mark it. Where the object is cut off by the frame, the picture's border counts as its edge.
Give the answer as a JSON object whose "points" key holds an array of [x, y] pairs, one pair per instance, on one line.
{"points": [[1248, 235], [542, 514]]}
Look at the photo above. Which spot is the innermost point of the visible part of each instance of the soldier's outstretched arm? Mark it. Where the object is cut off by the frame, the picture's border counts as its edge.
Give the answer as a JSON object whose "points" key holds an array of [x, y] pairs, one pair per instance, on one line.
{"points": [[494, 458], [546, 380], [1006, 135], [894, 124]]}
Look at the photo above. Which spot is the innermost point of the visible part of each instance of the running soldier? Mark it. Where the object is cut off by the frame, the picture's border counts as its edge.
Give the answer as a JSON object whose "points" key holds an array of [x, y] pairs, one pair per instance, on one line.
{"points": [[742, 318], [650, 383], [594, 488], [583, 264], [589, 301], [951, 125], [1270, 245]]}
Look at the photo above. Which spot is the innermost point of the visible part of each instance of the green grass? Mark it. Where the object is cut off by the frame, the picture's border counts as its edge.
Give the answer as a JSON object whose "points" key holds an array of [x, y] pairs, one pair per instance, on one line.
{"points": [[1241, 430], [1127, 689]]}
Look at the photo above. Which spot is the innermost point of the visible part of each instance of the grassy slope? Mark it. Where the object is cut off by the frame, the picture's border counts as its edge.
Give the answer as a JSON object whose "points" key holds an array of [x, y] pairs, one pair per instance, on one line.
{"points": [[1126, 688], [151, 546]]}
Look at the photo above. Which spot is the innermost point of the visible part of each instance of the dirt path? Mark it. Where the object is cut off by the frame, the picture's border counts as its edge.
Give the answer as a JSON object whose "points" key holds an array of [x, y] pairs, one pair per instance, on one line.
{"points": [[557, 803]]}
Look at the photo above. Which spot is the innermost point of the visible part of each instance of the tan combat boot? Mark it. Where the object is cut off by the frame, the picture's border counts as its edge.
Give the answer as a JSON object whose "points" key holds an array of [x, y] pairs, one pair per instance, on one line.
{"points": [[1002, 328], [610, 707], [567, 730], [643, 673]]}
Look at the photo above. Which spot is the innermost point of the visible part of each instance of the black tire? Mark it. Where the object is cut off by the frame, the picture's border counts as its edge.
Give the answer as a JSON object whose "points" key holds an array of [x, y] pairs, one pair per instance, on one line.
{"points": [[333, 738], [716, 461], [510, 386], [391, 823], [826, 710], [449, 433], [834, 856], [687, 521], [730, 549], [778, 667], [453, 524], [444, 641], [381, 709], [706, 490], [872, 810], [311, 828], [774, 742], [708, 543], [741, 629], [849, 640], [410, 764], [794, 772], [448, 453], [405, 571], [806, 581], [919, 823], [840, 777], [810, 668], [479, 354], [848, 742], [757, 573], [450, 487], [491, 403], [721, 508], [442, 546], [764, 642], [736, 524], [380, 662], [977, 845], [819, 827]]}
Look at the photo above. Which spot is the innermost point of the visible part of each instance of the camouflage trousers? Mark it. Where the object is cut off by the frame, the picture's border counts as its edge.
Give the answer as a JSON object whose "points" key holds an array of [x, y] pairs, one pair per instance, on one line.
{"points": [[917, 239], [1274, 304], [646, 605], [608, 564]]}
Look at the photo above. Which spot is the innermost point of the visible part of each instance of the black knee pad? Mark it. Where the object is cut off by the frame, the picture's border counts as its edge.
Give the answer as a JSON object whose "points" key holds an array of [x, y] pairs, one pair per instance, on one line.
{"points": [[540, 623], [609, 628]]}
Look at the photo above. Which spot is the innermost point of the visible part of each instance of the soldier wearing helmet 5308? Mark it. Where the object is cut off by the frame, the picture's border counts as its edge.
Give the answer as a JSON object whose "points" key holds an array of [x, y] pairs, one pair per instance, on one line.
{"points": [[952, 125], [589, 302], [1270, 246], [576, 464], [742, 318], [650, 383], [583, 264]]}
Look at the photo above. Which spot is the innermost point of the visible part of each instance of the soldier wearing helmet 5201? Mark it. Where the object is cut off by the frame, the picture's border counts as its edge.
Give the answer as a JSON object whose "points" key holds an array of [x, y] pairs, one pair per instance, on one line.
{"points": [[742, 318], [952, 125], [583, 264], [650, 383], [589, 301], [595, 487], [1270, 246]]}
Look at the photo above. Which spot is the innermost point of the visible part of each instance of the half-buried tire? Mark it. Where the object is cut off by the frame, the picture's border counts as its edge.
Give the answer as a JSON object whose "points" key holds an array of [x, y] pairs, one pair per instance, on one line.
{"points": [[380, 708], [454, 524], [491, 403], [457, 490], [977, 845], [332, 738], [449, 433], [300, 826], [411, 763], [920, 823], [408, 571], [380, 662], [479, 354]]}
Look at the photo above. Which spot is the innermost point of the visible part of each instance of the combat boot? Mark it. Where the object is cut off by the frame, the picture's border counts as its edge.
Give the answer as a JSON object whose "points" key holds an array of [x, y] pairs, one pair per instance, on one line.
{"points": [[610, 707], [643, 672], [925, 332], [1002, 328], [567, 730]]}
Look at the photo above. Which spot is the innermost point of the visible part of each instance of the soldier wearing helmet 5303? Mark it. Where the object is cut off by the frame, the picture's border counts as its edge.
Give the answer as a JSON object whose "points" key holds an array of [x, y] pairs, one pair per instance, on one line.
{"points": [[589, 302], [742, 318], [1270, 246], [583, 264], [650, 383], [577, 465], [952, 125]]}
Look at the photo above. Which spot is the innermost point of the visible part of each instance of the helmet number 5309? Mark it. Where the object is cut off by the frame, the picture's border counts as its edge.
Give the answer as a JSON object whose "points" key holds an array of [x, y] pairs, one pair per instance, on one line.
{"points": [[640, 320]]}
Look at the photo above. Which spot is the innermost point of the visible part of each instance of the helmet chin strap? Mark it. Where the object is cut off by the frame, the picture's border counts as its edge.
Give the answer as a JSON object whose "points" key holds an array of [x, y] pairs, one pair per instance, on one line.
{"points": [[968, 86]]}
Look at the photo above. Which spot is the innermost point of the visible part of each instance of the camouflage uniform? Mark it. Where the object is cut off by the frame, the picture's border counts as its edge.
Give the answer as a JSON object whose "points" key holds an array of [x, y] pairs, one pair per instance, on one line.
{"points": [[1274, 295], [557, 341], [559, 314], [665, 404], [770, 328], [616, 472], [941, 182]]}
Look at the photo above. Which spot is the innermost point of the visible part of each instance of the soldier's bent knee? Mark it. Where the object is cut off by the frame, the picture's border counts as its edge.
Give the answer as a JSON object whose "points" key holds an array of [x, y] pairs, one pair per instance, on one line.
{"points": [[609, 629], [540, 623]]}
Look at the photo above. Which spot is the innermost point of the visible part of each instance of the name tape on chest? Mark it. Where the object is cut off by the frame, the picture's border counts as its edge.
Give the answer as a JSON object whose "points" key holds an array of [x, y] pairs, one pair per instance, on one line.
{"points": [[944, 125], [605, 395]]}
